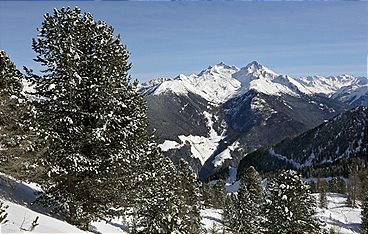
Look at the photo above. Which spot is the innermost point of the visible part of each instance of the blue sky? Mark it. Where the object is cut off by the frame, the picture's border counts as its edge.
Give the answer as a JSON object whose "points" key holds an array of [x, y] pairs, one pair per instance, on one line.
{"points": [[168, 38]]}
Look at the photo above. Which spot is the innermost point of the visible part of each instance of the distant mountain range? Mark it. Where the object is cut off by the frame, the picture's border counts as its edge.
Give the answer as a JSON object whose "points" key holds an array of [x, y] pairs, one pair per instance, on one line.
{"points": [[216, 117]]}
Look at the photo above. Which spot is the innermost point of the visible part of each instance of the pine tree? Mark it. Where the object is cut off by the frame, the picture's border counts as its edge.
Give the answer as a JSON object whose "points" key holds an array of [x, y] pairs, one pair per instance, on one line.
{"points": [[364, 226], [289, 208], [207, 193], [188, 192], [218, 194], [89, 114], [230, 213], [3, 213], [323, 194], [353, 188], [158, 203], [14, 108], [250, 198]]}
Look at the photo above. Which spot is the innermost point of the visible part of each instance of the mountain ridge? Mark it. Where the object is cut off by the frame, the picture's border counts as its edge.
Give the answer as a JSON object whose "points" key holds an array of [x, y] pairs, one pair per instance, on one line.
{"points": [[342, 137], [236, 81]]}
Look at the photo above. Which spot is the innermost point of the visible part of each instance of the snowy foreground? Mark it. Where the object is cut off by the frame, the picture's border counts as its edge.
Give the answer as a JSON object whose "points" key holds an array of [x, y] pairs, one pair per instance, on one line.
{"points": [[338, 216], [18, 195]]}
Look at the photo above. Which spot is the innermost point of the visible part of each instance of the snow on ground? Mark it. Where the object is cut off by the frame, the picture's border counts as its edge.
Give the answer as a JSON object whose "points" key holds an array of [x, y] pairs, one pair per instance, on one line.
{"points": [[20, 220], [211, 218], [116, 225], [19, 196], [202, 147], [226, 154], [339, 216]]}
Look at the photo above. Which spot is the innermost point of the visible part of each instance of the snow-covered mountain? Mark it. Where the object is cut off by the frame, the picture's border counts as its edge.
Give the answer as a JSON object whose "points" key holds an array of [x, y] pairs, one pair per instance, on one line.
{"points": [[346, 88], [215, 84], [215, 117], [221, 82]]}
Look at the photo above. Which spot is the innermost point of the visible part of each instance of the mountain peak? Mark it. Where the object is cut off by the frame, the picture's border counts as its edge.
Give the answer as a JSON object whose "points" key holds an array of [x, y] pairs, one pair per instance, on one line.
{"points": [[254, 63], [218, 68], [255, 67]]}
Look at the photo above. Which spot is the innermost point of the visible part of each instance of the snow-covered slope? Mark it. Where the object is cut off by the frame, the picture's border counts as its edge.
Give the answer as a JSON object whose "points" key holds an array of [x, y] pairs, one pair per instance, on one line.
{"points": [[18, 196], [338, 216], [20, 220], [221, 82], [346, 88], [257, 77], [327, 85]]}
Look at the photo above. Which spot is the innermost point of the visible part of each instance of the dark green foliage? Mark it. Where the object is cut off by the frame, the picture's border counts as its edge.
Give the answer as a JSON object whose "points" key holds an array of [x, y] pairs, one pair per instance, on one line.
{"points": [[364, 226], [206, 191], [251, 180], [218, 194], [230, 213], [242, 212], [250, 199], [190, 197], [3, 213], [354, 189], [289, 207], [14, 108], [337, 185], [158, 204], [323, 186], [89, 114]]}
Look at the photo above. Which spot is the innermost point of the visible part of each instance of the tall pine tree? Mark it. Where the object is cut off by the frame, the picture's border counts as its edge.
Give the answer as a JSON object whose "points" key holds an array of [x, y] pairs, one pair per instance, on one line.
{"points": [[250, 199], [290, 207], [218, 194], [323, 186], [230, 214], [158, 204], [188, 192], [89, 114]]}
